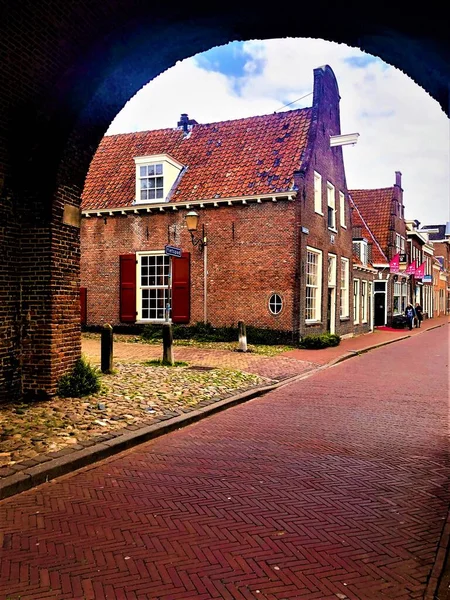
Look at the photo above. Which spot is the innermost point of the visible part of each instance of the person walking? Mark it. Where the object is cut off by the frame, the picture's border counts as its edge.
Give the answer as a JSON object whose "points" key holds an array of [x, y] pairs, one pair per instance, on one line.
{"points": [[419, 314], [410, 313]]}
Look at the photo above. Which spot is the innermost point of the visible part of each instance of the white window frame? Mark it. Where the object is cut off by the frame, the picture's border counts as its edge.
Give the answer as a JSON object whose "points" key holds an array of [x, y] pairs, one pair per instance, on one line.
{"points": [[365, 303], [281, 304], [332, 279], [345, 291], [318, 207], [140, 287], [331, 203], [342, 210], [356, 301], [317, 287], [171, 168]]}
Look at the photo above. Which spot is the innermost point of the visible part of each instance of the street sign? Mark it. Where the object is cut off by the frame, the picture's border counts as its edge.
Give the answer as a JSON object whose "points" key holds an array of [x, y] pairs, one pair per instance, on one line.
{"points": [[427, 279], [173, 251]]}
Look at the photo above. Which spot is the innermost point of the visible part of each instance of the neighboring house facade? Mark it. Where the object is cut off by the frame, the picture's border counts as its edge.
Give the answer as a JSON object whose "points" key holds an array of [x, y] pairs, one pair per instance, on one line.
{"points": [[274, 242], [378, 216], [421, 252], [439, 236]]}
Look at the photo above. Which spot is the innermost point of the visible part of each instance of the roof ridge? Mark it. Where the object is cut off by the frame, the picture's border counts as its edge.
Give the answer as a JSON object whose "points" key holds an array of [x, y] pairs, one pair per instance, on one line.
{"points": [[384, 189], [202, 125]]}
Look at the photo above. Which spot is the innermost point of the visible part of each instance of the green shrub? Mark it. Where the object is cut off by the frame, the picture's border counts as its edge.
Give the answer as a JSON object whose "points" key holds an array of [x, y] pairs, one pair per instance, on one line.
{"points": [[317, 341], [82, 381], [205, 332]]}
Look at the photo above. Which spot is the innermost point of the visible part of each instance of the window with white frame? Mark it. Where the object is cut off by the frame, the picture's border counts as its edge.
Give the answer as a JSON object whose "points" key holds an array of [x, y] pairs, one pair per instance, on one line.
{"points": [[275, 304], [356, 301], [344, 288], [404, 296], [397, 298], [153, 286], [331, 205], [151, 182], [363, 248], [313, 284], [318, 193], [342, 210], [398, 239], [332, 270], [364, 302], [402, 245]]}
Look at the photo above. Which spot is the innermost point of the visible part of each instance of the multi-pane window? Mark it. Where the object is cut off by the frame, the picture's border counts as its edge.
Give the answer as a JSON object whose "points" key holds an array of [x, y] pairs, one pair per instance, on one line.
{"points": [[398, 241], [154, 285], [344, 287], [151, 182], [400, 297], [313, 284], [331, 205], [342, 209], [318, 193], [331, 270], [364, 301], [275, 304], [356, 301]]}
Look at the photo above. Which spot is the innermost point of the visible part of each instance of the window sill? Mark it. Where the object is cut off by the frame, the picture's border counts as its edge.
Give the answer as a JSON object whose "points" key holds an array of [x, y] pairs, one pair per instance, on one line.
{"points": [[319, 213], [310, 322], [332, 229], [145, 202], [343, 226], [148, 321], [344, 318]]}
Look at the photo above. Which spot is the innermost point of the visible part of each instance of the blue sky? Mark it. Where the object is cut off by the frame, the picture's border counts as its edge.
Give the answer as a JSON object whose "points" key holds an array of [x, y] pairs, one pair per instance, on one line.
{"points": [[401, 127]]}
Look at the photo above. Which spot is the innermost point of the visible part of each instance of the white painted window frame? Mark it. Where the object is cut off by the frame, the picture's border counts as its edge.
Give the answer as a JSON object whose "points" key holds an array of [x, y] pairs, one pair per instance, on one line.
{"points": [[139, 287], [342, 218], [365, 303], [318, 206], [318, 287], [345, 296], [331, 203], [356, 301]]}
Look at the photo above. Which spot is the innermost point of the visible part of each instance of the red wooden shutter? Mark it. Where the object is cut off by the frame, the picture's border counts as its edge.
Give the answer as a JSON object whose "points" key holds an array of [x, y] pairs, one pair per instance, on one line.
{"points": [[83, 305], [181, 288], [128, 288]]}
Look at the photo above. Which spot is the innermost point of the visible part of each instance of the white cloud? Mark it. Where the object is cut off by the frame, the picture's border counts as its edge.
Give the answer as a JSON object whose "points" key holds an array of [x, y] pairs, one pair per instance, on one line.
{"points": [[401, 127]]}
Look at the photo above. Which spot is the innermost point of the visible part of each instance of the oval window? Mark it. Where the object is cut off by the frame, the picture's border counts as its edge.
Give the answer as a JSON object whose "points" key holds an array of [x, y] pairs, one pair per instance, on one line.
{"points": [[275, 304]]}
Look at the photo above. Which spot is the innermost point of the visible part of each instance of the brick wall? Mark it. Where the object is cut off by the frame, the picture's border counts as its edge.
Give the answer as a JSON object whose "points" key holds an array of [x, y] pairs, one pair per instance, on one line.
{"points": [[251, 254]]}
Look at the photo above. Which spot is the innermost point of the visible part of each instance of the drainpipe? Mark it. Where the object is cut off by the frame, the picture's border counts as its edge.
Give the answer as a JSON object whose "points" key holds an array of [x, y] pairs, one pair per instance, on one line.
{"points": [[205, 277]]}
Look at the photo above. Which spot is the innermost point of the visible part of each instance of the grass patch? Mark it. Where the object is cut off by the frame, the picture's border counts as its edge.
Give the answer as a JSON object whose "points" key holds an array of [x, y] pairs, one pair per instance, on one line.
{"points": [[157, 362]]}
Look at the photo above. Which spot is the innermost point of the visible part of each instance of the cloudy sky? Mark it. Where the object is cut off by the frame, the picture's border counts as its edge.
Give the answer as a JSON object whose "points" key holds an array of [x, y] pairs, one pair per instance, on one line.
{"points": [[401, 127]]}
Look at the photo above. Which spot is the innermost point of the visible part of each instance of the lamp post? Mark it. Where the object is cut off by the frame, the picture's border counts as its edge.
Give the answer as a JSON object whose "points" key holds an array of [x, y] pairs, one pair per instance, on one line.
{"points": [[192, 218]]}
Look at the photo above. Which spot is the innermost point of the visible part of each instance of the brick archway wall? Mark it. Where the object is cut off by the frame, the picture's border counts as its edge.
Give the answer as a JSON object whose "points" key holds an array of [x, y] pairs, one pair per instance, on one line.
{"points": [[66, 70]]}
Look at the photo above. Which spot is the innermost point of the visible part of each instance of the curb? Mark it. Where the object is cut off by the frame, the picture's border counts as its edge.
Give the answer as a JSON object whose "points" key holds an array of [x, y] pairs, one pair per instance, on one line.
{"points": [[66, 463]]}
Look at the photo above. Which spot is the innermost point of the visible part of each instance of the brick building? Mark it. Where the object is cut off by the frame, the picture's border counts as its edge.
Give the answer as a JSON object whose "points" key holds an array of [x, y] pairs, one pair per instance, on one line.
{"points": [[273, 213], [439, 236], [379, 215]]}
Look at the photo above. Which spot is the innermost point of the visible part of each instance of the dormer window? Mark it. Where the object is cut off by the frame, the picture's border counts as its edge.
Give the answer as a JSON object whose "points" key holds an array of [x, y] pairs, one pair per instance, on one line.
{"points": [[361, 249], [151, 182], [155, 178]]}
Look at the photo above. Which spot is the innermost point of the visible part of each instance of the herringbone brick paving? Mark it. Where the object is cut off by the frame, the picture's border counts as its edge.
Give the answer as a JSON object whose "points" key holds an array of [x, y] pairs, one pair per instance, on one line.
{"points": [[332, 487]]}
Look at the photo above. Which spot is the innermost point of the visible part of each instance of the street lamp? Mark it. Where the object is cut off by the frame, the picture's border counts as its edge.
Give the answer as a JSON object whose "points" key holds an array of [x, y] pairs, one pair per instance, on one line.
{"points": [[192, 218]]}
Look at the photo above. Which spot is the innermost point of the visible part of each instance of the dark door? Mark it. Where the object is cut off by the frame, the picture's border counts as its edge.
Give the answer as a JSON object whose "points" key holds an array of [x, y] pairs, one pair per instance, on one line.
{"points": [[380, 306]]}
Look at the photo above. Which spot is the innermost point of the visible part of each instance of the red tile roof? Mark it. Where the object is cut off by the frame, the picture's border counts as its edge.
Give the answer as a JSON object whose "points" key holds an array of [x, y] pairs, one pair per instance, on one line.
{"points": [[244, 157], [378, 256], [375, 208]]}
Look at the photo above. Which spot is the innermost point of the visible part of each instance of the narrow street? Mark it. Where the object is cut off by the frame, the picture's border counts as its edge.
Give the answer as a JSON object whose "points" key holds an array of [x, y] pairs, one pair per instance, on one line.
{"points": [[332, 487]]}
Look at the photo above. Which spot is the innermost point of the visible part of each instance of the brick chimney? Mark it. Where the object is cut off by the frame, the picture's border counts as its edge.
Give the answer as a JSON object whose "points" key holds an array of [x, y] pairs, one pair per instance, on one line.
{"points": [[185, 123], [398, 179]]}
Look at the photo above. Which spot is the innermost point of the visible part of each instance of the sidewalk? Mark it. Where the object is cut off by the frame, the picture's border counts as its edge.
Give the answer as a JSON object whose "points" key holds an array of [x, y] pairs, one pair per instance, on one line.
{"points": [[141, 402], [362, 343]]}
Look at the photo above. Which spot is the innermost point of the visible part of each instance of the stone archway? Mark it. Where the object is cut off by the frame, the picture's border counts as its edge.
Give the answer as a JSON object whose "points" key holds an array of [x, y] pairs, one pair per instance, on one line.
{"points": [[66, 71]]}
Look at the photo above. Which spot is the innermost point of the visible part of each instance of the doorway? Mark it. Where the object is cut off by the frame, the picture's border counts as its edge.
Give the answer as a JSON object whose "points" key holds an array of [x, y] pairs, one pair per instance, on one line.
{"points": [[331, 310], [380, 303]]}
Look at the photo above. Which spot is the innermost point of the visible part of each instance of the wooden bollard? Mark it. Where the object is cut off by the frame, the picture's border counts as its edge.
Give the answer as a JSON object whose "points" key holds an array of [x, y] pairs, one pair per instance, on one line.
{"points": [[242, 337], [107, 349], [167, 344]]}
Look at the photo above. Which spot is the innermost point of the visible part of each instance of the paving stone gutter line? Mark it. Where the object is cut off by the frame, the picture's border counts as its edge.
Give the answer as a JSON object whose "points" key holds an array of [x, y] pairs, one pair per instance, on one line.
{"points": [[68, 460]]}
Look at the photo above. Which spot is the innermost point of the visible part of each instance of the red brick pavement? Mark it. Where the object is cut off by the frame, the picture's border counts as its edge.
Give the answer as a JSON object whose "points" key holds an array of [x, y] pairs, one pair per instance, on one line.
{"points": [[331, 487], [276, 367]]}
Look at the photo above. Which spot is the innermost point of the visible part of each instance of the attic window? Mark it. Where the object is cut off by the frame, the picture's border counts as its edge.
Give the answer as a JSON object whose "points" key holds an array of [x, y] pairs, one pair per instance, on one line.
{"points": [[151, 182], [155, 177]]}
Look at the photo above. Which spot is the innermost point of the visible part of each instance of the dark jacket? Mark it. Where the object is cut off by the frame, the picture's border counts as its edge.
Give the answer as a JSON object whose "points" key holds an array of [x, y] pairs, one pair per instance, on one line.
{"points": [[407, 313], [419, 312]]}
